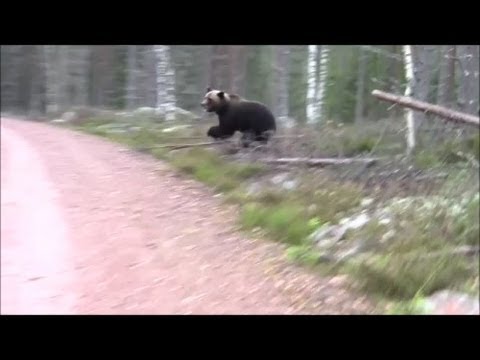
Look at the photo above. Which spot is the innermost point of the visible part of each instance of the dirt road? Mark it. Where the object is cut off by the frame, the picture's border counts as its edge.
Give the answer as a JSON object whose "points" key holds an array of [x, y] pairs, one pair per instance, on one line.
{"points": [[89, 227]]}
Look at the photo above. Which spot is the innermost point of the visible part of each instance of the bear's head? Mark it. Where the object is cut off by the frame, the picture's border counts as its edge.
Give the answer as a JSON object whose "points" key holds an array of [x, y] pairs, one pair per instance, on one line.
{"points": [[215, 100]]}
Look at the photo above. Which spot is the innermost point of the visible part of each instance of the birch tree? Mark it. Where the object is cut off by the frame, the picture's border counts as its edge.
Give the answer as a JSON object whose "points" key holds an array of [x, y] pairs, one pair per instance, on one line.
{"points": [[166, 100], [324, 52], [423, 58], [312, 114], [408, 63]]}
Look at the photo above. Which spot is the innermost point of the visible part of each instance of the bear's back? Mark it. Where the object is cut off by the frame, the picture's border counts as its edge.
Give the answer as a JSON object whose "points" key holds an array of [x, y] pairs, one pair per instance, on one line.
{"points": [[249, 115]]}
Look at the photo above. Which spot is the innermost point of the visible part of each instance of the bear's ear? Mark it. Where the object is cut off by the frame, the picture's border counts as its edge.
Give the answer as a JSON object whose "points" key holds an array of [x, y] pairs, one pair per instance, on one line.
{"points": [[209, 89], [221, 94]]}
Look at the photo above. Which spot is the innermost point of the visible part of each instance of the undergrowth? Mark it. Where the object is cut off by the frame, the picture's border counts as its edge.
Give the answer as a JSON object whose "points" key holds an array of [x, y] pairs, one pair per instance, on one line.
{"points": [[408, 258]]}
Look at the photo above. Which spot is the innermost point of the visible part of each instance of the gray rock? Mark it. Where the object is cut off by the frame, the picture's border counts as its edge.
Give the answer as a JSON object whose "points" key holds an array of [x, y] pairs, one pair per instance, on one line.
{"points": [[365, 202], [279, 178], [69, 116], [289, 185], [446, 302], [145, 110], [328, 236], [357, 222], [254, 188]]}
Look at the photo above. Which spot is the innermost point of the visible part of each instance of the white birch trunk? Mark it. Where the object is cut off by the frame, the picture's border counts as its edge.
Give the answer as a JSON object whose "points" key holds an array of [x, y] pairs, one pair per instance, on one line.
{"points": [[322, 86], [165, 83], [408, 62], [312, 107]]}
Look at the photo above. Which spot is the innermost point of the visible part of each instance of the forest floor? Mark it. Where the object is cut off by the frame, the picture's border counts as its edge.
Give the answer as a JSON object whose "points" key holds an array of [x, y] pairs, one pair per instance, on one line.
{"points": [[90, 227]]}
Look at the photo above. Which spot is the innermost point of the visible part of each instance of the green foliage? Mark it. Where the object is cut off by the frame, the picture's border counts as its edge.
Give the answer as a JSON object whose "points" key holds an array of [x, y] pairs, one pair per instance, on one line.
{"points": [[303, 254], [418, 257], [331, 199], [417, 306], [449, 151], [209, 168], [380, 73], [289, 216], [286, 222], [400, 278], [473, 145], [341, 84]]}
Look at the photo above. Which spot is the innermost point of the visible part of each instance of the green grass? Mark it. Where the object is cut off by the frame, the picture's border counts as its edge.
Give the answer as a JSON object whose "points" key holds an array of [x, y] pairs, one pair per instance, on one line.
{"points": [[451, 151], [419, 256], [208, 167], [286, 222]]}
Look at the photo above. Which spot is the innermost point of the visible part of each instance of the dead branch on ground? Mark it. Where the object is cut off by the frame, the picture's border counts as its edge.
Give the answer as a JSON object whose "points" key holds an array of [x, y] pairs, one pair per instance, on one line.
{"points": [[182, 146], [320, 161]]}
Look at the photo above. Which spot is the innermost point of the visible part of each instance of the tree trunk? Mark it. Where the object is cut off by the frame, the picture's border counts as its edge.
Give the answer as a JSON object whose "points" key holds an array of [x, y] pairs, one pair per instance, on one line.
{"points": [[312, 115], [469, 79], [150, 73], [131, 95], [408, 62], [219, 70], [446, 78], [322, 86], [52, 87], [359, 103], [37, 86], [79, 57], [166, 101], [63, 77], [281, 65], [423, 59], [237, 69]]}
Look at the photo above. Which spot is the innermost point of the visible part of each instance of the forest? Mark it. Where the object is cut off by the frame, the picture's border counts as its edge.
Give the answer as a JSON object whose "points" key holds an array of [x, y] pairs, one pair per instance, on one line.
{"points": [[351, 184]]}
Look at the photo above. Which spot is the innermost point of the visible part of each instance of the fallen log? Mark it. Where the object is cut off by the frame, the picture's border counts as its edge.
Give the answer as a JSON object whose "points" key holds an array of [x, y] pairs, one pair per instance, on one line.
{"points": [[418, 105], [320, 161], [182, 146], [461, 250]]}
